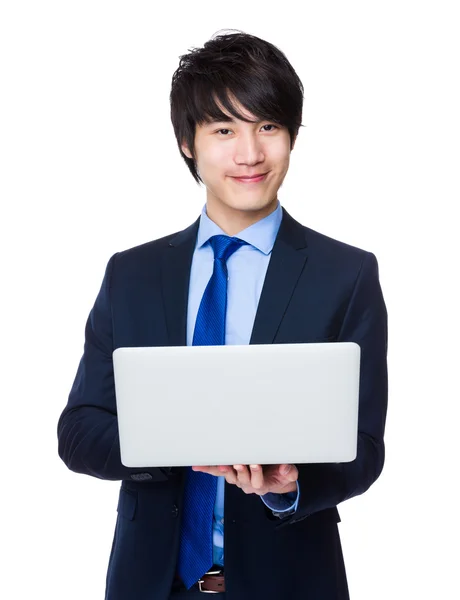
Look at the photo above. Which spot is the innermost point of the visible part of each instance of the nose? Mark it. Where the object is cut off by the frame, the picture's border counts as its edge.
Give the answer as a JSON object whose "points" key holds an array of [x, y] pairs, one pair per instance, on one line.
{"points": [[249, 150]]}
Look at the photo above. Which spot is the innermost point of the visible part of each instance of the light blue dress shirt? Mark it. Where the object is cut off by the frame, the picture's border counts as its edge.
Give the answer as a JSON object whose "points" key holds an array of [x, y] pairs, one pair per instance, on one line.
{"points": [[247, 268]]}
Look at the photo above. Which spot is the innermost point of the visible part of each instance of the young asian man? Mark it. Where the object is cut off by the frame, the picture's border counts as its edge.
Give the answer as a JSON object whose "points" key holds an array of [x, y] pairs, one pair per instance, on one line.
{"points": [[242, 531]]}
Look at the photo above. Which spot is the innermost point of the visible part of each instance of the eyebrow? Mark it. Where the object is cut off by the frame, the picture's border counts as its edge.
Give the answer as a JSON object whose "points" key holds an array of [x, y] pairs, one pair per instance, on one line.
{"points": [[229, 120]]}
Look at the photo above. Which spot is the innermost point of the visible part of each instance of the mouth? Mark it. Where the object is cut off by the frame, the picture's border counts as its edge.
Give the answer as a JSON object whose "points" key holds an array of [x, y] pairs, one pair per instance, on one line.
{"points": [[256, 179]]}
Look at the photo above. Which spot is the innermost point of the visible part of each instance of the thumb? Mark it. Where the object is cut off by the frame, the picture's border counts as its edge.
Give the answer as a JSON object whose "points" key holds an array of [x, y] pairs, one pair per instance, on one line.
{"points": [[288, 471]]}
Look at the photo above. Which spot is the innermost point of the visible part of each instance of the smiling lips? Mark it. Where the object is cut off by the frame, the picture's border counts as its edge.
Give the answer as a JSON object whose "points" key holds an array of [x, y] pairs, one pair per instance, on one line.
{"points": [[254, 179]]}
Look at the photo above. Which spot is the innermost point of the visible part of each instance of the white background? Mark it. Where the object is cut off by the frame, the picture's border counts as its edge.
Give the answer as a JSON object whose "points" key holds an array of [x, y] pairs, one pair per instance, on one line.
{"points": [[90, 166]]}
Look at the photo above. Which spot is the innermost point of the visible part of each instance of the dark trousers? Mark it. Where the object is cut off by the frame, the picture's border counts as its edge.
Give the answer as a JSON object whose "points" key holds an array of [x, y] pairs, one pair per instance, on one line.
{"points": [[194, 594]]}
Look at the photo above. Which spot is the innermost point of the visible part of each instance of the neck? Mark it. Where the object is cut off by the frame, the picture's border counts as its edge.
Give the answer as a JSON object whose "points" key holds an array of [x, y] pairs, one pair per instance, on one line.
{"points": [[232, 220]]}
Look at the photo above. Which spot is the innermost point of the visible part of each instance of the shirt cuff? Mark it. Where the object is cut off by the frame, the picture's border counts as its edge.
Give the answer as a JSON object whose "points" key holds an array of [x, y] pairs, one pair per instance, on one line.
{"points": [[282, 502]]}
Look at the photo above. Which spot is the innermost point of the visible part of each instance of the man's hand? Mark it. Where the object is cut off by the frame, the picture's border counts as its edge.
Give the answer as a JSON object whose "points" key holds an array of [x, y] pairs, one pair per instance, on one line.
{"points": [[277, 479]]}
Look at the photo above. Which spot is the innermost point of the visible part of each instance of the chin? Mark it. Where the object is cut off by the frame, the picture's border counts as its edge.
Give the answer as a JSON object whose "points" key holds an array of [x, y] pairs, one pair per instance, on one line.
{"points": [[248, 204]]}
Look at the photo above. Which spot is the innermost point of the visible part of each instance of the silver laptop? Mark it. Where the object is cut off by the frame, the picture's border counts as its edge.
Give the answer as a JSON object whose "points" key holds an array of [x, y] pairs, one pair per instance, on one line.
{"points": [[237, 404]]}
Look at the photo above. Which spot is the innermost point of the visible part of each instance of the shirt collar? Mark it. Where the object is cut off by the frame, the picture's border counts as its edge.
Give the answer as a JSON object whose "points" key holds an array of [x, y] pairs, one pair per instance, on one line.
{"points": [[261, 235]]}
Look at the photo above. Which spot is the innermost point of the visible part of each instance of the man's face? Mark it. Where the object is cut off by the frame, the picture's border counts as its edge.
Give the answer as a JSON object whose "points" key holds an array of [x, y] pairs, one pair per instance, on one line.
{"points": [[227, 150]]}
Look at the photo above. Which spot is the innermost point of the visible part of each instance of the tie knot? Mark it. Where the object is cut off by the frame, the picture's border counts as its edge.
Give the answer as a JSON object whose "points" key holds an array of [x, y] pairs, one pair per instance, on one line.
{"points": [[224, 246]]}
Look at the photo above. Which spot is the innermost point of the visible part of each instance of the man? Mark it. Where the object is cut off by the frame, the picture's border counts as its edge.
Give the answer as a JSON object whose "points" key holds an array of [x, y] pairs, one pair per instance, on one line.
{"points": [[245, 532]]}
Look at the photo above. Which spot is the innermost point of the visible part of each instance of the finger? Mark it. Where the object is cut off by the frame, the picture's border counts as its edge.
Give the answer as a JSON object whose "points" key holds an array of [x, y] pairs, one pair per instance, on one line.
{"points": [[244, 476], [210, 470], [231, 476], [257, 476], [202, 467]]}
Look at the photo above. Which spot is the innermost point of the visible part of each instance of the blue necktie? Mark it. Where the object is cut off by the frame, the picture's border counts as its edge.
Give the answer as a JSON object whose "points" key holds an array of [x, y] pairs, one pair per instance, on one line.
{"points": [[195, 552]]}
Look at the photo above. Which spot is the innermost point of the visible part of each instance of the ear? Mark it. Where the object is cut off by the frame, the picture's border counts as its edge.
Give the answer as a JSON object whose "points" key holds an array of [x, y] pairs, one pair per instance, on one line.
{"points": [[185, 150]]}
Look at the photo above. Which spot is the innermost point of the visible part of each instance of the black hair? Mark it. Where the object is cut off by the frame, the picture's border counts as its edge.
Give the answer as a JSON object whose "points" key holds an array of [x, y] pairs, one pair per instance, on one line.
{"points": [[252, 70]]}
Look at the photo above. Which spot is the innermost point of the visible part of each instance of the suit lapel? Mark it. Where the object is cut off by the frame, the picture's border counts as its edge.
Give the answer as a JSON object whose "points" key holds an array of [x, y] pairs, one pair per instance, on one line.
{"points": [[286, 264]]}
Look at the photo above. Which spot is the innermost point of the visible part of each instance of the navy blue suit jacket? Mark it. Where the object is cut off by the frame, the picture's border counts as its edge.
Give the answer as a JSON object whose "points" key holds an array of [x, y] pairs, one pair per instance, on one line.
{"points": [[316, 289]]}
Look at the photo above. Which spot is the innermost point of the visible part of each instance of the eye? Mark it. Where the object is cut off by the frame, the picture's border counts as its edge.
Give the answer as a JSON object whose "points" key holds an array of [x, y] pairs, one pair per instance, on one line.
{"points": [[267, 125]]}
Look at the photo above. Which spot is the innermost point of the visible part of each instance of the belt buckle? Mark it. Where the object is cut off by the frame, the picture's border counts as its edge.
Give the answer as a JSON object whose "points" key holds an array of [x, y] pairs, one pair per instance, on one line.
{"points": [[200, 581]]}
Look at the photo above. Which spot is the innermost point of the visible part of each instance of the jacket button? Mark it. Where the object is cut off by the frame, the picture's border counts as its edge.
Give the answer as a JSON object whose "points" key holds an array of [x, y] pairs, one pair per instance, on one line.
{"points": [[175, 511], [141, 477]]}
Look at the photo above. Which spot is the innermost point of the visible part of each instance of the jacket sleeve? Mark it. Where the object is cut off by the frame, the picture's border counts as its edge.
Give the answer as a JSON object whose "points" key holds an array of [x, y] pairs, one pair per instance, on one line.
{"points": [[88, 440], [365, 322]]}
